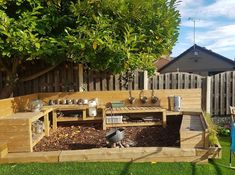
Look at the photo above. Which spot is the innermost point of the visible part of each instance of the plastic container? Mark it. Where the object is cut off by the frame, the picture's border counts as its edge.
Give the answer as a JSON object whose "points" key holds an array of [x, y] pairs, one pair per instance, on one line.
{"points": [[114, 119]]}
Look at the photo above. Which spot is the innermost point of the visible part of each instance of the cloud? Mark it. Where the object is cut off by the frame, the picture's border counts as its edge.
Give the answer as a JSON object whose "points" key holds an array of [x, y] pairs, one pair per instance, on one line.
{"points": [[220, 39], [224, 8], [198, 9]]}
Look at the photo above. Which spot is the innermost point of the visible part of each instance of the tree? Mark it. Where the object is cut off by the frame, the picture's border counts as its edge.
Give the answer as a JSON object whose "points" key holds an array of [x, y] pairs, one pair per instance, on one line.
{"points": [[107, 35]]}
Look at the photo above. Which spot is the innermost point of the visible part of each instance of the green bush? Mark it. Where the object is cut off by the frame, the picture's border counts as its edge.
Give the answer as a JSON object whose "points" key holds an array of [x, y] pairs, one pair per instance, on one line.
{"points": [[212, 128], [222, 131]]}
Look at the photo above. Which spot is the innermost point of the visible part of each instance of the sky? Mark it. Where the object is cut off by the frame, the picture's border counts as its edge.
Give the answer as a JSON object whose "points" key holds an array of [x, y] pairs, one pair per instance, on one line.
{"points": [[215, 26]]}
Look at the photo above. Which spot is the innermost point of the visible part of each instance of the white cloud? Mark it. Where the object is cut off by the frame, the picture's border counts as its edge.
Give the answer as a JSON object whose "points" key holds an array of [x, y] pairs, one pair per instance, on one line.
{"points": [[215, 28], [221, 39], [220, 32], [224, 8], [219, 8]]}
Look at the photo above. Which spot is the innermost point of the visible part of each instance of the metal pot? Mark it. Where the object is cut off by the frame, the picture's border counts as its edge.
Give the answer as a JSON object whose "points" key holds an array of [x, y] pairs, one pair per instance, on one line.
{"points": [[154, 99], [115, 135], [144, 99]]}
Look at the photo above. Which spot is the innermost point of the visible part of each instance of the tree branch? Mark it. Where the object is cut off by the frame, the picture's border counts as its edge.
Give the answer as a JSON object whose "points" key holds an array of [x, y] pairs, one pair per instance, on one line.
{"points": [[38, 74], [4, 66]]}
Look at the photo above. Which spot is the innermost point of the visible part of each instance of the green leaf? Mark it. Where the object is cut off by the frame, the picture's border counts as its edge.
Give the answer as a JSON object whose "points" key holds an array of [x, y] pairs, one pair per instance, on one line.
{"points": [[37, 45]]}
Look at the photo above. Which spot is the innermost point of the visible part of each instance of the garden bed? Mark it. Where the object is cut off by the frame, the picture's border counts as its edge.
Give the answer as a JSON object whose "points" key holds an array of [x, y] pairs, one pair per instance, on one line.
{"points": [[76, 137]]}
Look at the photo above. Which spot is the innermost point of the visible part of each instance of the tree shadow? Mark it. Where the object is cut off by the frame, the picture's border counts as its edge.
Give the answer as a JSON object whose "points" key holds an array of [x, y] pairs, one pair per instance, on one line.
{"points": [[158, 137], [126, 168]]}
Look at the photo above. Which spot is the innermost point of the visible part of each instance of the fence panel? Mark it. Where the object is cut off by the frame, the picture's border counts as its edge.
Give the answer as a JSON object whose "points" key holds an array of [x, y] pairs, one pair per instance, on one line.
{"points": [[71, 77], [175, 80], [222, 93]]}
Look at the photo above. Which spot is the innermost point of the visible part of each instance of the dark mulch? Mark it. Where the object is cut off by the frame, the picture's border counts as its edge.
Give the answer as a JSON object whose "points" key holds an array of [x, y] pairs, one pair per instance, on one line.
{"points": [[73, 137]]}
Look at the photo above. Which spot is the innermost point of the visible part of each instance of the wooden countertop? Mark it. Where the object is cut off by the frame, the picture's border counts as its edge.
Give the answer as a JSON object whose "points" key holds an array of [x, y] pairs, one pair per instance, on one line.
{"points": [[31, 116]]}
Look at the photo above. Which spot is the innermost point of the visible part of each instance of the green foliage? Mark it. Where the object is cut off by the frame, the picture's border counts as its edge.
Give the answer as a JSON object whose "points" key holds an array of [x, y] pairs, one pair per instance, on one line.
{"points": [[110, 35], [213, 140], [222, 131], [122, 35]]}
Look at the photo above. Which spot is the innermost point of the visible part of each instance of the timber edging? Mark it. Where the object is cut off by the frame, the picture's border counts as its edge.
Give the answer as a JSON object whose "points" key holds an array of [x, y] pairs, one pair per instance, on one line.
{"points": [[138, 154]]}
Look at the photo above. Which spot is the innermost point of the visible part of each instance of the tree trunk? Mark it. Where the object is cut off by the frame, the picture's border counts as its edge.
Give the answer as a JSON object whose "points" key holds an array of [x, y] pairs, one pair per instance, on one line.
{"points": [[6, 92]]}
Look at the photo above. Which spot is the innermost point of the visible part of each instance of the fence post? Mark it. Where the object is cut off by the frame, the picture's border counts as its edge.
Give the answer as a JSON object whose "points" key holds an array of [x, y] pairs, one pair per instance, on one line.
{"points": [[208, 95], [80, 75], [146, 80]]}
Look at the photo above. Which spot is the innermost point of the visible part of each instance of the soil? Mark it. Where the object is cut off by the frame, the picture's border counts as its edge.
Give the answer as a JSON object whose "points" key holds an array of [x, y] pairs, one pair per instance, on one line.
{"points": [[75, 137]]}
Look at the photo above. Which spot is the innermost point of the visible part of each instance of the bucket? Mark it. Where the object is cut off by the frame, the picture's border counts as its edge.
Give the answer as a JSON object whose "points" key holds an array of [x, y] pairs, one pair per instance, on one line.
{"points": [[177, 103], [171, 103], [174, 103]]}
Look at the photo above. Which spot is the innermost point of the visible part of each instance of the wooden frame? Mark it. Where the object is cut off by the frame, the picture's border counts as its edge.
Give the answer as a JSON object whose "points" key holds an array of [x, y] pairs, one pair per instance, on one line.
{"points": [[191, 102], [16, 130]]}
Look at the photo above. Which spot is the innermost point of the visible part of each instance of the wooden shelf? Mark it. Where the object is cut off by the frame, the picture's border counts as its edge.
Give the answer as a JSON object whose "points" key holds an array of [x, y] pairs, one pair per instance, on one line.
{"points": [[93, 118], [131, 110], [38, 138], [67, 119], [134, 124], [173, 113]]}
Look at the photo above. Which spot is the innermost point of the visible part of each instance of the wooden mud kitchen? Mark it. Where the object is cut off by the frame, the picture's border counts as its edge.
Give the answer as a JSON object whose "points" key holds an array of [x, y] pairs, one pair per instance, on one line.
{"points": [[19, 131]]}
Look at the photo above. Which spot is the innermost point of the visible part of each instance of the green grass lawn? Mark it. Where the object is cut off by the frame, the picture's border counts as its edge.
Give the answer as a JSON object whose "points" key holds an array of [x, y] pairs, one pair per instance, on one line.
{"points": [[214, 167]]}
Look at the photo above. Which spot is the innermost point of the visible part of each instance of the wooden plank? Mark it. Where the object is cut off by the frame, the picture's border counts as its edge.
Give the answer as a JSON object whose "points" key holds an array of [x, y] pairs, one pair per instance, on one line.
{"points": [[160, 81], [191, 98], [233, 88], [126, 154], [54, 120], [222, 93], [56, 80], [134, 124], [216, 94], [104, 83], [227, 92], [80, 76], [46, 124], [110, 82], [174, 80], [3, 149], [45, 157], [116, 82]]}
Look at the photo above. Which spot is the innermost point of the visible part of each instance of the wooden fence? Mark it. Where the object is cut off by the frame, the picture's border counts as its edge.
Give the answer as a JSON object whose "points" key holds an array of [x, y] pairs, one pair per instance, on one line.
{"points": [[222, 93], [175, 80], [218, 91]]}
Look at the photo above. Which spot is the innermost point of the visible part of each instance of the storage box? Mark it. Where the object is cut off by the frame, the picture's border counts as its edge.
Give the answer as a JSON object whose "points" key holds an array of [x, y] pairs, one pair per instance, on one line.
{"points": [[114, 119], [117, 104]]}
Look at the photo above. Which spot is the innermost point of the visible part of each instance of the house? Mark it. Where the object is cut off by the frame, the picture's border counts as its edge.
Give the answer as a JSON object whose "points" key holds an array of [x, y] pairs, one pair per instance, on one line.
{"points": [[199, 60], [162, 61]]}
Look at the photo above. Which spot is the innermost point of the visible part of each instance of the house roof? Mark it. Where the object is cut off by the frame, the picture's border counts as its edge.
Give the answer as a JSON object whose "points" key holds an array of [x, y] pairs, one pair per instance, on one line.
{"points": [[159, 63], [199, 48]]}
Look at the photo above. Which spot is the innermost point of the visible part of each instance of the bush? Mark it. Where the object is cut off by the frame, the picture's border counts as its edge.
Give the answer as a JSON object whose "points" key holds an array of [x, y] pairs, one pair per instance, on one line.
{"points": [[223, 131]]}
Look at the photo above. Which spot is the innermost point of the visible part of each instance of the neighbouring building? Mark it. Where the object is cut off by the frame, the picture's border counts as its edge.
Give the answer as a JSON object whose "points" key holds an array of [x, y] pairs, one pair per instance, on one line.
{"points": [[199, 60], [162, 61]]}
